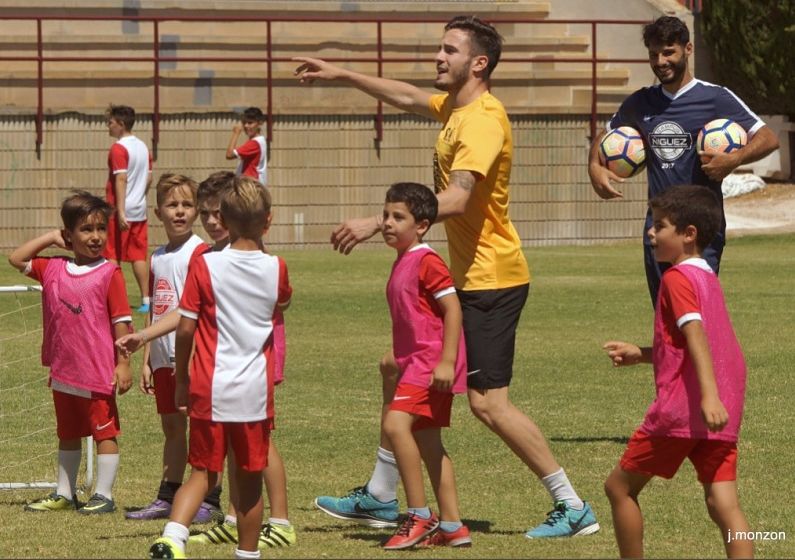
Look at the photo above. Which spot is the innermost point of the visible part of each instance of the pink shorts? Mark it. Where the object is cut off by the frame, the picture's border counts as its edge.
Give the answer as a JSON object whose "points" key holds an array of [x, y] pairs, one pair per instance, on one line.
{"points": [[714, 460], [433, 407], [165, 384], [208, 443], [78, 417], [126, 246]]}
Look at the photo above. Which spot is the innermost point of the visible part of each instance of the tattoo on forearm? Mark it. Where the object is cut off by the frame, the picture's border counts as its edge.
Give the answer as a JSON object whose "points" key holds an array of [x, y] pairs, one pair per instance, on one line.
{"points": [[463, 179]]}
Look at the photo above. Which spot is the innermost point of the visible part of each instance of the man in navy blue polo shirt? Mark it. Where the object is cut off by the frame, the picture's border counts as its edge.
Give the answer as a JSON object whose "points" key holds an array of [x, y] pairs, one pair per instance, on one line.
{"points": [[669, 116]]}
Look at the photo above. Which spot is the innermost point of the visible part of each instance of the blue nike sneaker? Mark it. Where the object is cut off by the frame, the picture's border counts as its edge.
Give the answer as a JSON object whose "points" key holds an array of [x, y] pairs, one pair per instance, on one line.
{"points": [[361, 507], [565, 521]]}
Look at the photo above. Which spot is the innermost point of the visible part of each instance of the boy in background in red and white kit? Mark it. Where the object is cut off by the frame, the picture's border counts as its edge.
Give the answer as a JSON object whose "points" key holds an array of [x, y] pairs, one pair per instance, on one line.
{"points": [[227, 307], [699, 373], [253, 154], [177, 209], [84, 306], [129, 178]]}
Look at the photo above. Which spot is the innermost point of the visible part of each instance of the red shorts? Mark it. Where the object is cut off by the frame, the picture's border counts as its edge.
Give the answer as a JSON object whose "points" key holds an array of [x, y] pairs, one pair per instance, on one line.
{"points": [[126, 246], [714, 460], [208, 442], [78, 417], [433, 407], [165, 384]]}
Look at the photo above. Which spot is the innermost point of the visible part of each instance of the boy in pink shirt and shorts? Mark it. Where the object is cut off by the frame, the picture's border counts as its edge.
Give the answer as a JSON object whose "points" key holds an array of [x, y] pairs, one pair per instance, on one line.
{"points": [[428, 347], [699, 372], [84, 306]]}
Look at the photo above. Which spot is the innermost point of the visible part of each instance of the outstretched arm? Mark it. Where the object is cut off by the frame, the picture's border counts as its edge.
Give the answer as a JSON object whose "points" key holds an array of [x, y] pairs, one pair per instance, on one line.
{"points": [[133, 342], [626, 354], [600, 175], [718, 166], [402, 95]]}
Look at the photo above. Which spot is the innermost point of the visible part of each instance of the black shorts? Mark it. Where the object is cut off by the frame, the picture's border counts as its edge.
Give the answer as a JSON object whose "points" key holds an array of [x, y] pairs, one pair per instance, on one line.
{"points": [[490, 320]]}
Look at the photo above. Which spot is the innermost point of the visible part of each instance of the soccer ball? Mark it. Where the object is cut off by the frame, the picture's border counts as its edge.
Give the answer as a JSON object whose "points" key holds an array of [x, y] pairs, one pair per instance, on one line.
{"points": [[721, 135], [622, 151]]}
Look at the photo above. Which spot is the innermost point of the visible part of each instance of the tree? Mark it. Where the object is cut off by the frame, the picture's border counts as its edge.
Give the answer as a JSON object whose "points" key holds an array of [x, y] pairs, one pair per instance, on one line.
{"points": [[752, 43]]}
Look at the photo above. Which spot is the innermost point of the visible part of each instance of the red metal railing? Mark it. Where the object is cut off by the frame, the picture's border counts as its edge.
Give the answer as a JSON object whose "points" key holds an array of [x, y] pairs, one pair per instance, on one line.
{"points": [[156, 59]]}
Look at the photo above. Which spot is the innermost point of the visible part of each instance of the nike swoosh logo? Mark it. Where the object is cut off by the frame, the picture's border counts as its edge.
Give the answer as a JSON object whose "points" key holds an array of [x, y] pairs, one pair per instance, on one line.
{"points": [[576, 524], [473, 372], [100, 428], [647, 118], [400, 398], [76, 310]]}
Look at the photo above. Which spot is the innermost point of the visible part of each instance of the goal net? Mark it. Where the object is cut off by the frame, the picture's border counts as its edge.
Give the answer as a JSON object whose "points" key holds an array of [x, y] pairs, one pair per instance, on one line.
{"points": [[28, 441]]}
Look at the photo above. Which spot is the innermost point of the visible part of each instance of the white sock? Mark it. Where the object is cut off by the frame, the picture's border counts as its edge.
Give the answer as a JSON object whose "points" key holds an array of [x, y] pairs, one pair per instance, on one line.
{"points": [[177, 533], [145, 301], [247, 553], [384, 480], [231, 520], [107, 467], [68, 465], [561, 490], [279, 521]]}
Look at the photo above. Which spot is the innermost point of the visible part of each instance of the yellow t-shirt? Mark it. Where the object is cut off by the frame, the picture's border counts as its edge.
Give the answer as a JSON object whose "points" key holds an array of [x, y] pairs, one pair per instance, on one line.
{"points": [[485, 250]]}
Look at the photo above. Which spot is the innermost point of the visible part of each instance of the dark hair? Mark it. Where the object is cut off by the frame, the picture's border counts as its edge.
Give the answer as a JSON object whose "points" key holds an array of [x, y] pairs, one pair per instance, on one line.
{"points": [[484, 38], [214, 185], [666, 30], [253, 114], [123, 114], [81, 204], [691, 205], [419, 199]]}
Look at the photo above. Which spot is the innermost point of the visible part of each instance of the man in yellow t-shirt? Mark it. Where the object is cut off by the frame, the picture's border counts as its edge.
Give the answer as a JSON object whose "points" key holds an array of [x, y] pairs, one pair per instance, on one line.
{"points": [[472, 169]]}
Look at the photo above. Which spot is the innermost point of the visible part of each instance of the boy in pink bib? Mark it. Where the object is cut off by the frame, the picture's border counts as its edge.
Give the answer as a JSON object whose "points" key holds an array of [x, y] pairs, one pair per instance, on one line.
{"points": [[428, 347], [85, 307], [699, 373]]}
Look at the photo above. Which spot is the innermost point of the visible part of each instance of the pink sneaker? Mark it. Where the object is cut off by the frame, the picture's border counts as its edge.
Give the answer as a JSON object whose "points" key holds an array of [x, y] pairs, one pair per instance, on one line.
{"points": [[411, 531], [459, 537]]}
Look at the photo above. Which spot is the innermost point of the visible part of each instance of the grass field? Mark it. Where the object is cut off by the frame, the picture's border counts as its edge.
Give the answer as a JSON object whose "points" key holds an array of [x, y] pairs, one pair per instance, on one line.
{"points": [[338, 327]]}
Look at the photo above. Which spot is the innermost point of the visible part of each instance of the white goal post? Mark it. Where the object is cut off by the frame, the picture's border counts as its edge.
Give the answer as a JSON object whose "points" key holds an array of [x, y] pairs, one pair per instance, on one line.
{"points": [[27, 446]]}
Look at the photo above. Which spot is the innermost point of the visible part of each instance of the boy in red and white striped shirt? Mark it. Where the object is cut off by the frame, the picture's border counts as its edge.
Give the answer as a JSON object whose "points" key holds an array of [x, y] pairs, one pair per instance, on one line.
{"points": [[227, 308]]}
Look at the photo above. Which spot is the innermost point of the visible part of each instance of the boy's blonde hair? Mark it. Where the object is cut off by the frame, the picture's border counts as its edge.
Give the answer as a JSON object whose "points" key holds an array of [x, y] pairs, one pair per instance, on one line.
{"points": [[246, 208], [170, 181]]}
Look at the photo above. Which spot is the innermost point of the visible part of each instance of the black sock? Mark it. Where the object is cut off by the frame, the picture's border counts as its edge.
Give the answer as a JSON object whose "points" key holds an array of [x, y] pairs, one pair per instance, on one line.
{"points": [[213, 497], [168, 490]]}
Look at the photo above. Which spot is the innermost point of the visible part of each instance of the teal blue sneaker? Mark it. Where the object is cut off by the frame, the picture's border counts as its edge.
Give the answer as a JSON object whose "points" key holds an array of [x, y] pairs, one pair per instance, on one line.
{"points": [[565, 521], [361, 507]]}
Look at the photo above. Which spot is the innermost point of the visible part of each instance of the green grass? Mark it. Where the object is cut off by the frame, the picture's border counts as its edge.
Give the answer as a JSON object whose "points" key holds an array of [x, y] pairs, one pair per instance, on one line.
{"points": [[338, 327]]}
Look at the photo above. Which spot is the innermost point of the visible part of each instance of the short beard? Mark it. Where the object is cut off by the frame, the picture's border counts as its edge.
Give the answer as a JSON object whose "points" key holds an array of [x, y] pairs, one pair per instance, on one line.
{"points": [[678, 71]]}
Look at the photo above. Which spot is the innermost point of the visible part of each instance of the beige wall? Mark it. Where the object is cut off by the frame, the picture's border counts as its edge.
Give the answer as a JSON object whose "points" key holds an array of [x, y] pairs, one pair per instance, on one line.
{"points": [[322, 169]]}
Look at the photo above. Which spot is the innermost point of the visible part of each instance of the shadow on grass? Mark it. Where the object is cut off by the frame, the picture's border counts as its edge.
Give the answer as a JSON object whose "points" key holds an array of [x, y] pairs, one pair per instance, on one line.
{"points": [[152, 535], [594, 439]]}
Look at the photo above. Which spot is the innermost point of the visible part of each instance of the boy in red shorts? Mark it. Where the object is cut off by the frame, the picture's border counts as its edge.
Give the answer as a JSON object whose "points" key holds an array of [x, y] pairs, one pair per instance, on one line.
{"points": [[699, 372], [428, 347], [84, 306], [229, 393], [129, 177]]}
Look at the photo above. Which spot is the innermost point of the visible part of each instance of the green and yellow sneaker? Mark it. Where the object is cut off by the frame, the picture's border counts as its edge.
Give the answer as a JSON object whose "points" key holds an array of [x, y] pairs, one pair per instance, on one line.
{"points": [[273, 535], [223, 533], [53, 502], [165, 548]]}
